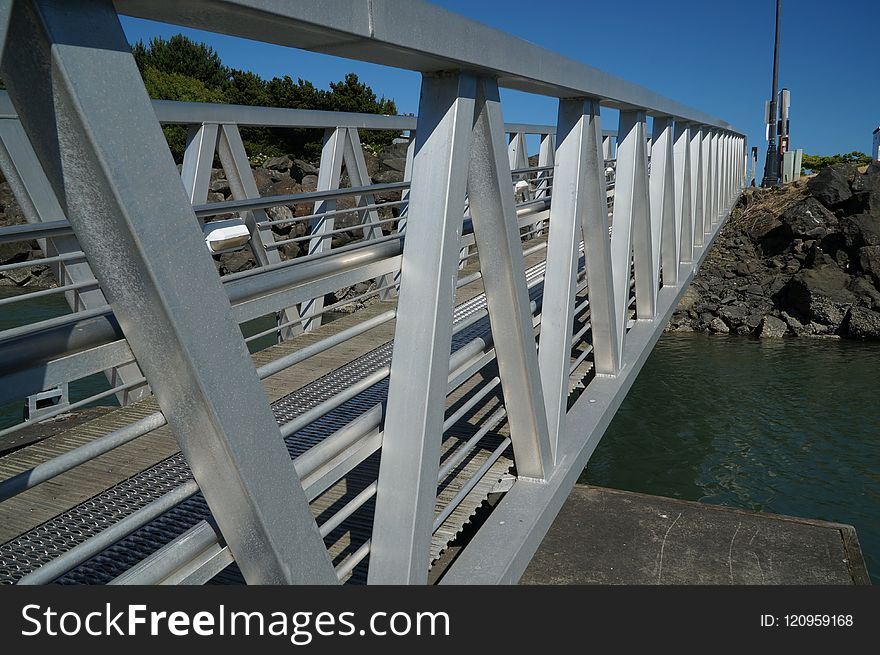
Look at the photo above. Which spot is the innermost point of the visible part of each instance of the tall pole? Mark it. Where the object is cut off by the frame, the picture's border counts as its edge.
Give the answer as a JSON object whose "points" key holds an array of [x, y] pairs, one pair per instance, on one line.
{"points": [[771, 166]]}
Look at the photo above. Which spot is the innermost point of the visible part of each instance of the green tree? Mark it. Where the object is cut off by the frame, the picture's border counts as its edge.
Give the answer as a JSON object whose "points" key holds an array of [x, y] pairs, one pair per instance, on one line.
{"points": [[183, 56], [816, 163], [181, 69]]}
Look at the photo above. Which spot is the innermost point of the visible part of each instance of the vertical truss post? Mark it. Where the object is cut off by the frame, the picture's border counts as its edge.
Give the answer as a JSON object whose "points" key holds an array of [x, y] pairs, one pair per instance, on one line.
{"points": [[404, 198], [697, 200], [356, 166], [604, 315], [684, 215], [407, 488], [632, 214], [507, 298], [664, 237], [722, 177], [198, 159], [115, 177], [546, 157], [329, 172], [725, 169], [517, 154], [237, 167], [714, 176], [557, 313], [705, 154]]}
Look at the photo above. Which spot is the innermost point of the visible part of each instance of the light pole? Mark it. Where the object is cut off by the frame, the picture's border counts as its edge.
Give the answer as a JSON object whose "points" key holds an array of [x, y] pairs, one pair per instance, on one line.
{"points": [[771, 166]]}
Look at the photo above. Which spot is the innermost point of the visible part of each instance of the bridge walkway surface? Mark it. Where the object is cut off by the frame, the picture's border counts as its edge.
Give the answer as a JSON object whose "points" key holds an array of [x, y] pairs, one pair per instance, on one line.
{"points": [[38, 524]]}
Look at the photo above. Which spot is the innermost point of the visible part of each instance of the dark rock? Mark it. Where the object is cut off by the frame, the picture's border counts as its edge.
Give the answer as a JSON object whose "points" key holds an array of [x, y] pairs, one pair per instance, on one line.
{"points": [[733, 314], [861, 230], [752, 321], [290, 250], [372, 163], [220, 185], [387, 176], [301, 169], [309, 183], [865, 291], [869, 261], [235, 262], [820, 294], [263, 179], [862, 323], [392, 164], [831, 186], [718, 326], [283, 163], [285, 187], [688, 299], [773, 328]]}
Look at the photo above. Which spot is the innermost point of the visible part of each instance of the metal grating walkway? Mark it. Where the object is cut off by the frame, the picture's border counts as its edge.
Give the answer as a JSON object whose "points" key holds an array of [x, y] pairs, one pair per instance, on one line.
{"points": [[74, 526]]}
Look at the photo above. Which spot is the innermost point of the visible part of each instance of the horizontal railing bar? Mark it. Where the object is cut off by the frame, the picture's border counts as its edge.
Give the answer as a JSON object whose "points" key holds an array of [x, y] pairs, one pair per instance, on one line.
{"points": [[85, 284], [530, 169], [328, 234], [353, 560], [332, 212], [178, 552], [79, 455], [80, 403], [29, 231], [170, 112], [348, 509], [264, 202], [404, 34], [577, 335], [459, 455], [470, 484], [64, 257], [326, 308], [106, 538], [471, 402], [312, 415], [580, 358], [313, 349]]}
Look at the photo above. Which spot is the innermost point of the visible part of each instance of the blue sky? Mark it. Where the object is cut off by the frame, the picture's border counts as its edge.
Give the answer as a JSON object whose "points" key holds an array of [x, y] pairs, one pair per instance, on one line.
{"points": [[713, 55]]}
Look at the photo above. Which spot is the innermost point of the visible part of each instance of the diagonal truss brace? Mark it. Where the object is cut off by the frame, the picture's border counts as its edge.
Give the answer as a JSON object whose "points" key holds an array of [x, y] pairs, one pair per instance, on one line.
{"points": [[68, 67]]}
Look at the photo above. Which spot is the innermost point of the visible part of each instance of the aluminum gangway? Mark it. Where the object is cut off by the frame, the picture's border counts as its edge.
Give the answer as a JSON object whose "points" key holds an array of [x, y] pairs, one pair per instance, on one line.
{"points": [[432, 435]]}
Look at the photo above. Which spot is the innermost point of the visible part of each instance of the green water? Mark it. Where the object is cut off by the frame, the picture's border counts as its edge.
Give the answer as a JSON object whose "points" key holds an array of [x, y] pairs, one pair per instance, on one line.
{"points": [[784, 426]]}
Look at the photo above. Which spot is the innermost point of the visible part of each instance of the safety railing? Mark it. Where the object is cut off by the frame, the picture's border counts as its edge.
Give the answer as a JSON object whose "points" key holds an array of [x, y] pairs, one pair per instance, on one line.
{"points": [[388, 453]]}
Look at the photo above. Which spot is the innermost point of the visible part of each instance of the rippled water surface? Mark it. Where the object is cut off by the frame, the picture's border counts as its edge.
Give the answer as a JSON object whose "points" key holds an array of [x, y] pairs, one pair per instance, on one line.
{"points": [[784, 426]]}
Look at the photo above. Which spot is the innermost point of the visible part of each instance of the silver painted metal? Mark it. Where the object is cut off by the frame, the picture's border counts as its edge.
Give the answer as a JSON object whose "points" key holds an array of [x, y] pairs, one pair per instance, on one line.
{"points": [[420, 364], [570, 198], [414, 35], [664, 235], [233, 157], [684, 211], [706, 160], [631, 225], [125, 204], [332, 155], [40, 206], [501, 263], [501, 550], [257, 501]]}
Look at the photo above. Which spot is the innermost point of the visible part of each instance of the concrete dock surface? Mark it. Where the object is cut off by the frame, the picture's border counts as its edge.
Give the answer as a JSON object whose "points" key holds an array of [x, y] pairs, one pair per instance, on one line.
{"points": [[606, 536]]}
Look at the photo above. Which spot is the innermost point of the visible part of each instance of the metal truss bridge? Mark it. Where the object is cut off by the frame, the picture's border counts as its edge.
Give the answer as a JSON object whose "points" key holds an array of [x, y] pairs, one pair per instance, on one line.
{"points": [[430, 435]]}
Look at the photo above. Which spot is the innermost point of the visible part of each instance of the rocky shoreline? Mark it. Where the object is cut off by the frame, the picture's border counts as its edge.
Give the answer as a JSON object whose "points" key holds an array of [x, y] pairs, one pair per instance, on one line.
{"points": [[276, 176], [800, 260]]}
